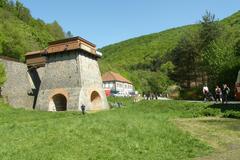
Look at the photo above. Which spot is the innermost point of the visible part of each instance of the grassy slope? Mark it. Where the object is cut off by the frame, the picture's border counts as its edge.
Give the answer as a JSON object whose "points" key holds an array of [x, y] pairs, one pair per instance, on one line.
{"points": [[121, 56], [138, 131]]}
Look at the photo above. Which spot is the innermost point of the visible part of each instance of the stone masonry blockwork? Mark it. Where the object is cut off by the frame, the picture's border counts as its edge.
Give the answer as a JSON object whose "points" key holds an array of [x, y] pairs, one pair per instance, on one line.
{"points": [[74, 75]]}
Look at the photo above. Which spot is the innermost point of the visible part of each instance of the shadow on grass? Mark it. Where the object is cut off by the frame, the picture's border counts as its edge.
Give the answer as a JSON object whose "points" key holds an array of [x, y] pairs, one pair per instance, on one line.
{"points": [[227, 107], [230, 110]]}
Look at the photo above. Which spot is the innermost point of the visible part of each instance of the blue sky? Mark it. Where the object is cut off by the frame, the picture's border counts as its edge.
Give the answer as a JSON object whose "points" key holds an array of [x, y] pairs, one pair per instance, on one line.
{"points": [[104, 22]]}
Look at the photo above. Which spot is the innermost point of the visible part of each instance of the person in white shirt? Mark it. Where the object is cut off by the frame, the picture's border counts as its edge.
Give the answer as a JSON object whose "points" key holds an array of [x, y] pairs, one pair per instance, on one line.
{"points": [[205, 91]]}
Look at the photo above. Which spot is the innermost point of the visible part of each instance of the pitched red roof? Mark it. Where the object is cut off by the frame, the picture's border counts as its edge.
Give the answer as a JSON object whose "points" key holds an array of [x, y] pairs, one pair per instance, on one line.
{"points": [[111, 76]]}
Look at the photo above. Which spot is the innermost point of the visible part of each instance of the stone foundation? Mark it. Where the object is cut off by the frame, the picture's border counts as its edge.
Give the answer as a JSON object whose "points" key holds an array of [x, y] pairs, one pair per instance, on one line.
{"points": [[15, 89]]}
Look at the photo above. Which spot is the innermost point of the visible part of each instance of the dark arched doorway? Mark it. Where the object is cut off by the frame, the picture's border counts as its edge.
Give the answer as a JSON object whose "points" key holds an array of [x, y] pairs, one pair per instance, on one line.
{"points": [[95, 100], [59, 102]]}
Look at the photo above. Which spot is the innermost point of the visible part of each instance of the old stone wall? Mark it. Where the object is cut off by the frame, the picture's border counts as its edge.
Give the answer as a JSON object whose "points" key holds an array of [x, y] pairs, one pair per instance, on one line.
{"points": [[75, 76], [72, 75], [61, 70], [16, 88], [45, 97], [91, 82], [61, 76]]}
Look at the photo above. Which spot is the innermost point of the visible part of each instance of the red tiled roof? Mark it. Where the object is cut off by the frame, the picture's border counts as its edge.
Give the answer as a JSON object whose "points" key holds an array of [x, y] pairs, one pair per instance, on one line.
{"points": [[111, 76]]}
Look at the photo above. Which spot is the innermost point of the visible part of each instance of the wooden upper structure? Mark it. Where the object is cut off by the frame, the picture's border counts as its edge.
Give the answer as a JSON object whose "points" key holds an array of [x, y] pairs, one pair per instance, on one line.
{"points": [[38, 58]]}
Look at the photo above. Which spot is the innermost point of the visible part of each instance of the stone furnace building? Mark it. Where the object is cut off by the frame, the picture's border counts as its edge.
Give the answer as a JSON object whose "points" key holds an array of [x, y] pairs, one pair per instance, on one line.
{"points": [[61, 77]]}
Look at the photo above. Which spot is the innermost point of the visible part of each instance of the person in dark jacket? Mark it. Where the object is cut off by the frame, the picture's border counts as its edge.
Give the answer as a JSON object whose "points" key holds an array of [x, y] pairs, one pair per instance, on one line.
{"points": [[218, 94], [225, 93], [83, 107]]}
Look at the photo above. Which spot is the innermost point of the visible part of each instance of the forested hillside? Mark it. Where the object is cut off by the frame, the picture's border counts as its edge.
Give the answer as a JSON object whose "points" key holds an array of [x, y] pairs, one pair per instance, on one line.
{"points": [[183, 57], [20, 32], [187, 56]]}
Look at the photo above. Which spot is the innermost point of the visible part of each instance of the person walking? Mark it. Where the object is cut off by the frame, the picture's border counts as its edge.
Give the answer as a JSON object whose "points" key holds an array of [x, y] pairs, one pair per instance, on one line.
{"points": [[83, 107], [205, 92], [218, 94], [225, 93]]}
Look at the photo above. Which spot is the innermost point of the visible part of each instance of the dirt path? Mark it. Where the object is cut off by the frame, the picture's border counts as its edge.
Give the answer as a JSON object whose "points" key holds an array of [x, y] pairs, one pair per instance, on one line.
{"points": [[220, 133], [227, 155]]}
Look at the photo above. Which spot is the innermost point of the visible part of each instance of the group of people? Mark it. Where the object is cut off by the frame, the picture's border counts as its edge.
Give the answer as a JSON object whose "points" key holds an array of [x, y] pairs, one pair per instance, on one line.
{"points": [[221, 94]]}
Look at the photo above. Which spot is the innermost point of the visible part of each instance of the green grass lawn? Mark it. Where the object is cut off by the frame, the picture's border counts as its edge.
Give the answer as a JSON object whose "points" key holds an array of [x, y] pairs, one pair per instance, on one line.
{"points": [[143, 130]]}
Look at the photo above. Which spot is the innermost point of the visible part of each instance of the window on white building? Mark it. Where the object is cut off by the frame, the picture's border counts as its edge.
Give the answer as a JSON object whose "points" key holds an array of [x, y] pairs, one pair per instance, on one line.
{"points": [[110, 85]]}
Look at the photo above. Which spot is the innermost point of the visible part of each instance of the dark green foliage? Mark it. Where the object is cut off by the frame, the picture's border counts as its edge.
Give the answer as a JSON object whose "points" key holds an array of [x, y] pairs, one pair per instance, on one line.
{"points": [[193, 93], [237, 48], [55, 30], [21, 33], [3, 3], [187, 59], [22, 12], [2, 74], [232, 114], [193, 54], [209, 30]]}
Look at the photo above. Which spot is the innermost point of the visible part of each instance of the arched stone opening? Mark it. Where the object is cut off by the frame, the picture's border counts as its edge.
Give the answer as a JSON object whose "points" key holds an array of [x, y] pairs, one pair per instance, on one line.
{"points": [[59, 103], [95, 100]]}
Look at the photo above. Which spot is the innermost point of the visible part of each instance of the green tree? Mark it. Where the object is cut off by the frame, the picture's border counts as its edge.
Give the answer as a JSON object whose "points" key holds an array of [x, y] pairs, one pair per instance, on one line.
{"points": [[209, 30], [186, 59], [237, 48], [193, 52], [158, 82], [22, 12], [3, 3], [167, 68], [56, 30]]}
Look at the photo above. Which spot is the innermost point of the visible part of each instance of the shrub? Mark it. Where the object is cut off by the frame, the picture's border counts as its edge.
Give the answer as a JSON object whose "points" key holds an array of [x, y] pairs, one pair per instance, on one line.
{"points": [[210, 112], [191, 93], [232, 114]]}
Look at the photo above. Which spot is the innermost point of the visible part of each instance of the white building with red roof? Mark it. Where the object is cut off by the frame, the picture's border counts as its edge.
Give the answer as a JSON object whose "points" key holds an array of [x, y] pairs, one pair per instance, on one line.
{"points": [[117, 83]]}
